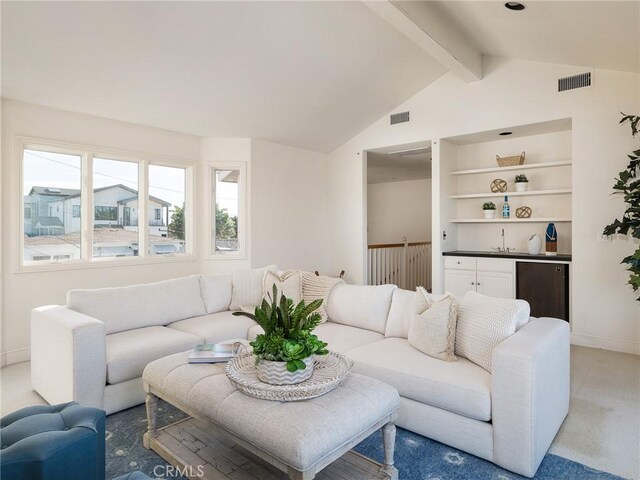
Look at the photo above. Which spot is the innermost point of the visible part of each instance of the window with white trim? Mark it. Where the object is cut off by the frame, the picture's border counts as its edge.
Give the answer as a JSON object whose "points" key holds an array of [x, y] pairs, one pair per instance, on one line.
{"points": [[57, 193], [49, 178], [227, 210], [167, 193]]}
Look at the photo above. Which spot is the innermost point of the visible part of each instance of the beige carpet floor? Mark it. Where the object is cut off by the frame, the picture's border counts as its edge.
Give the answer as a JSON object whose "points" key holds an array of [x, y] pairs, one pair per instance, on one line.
{"points": [[601, 431]]}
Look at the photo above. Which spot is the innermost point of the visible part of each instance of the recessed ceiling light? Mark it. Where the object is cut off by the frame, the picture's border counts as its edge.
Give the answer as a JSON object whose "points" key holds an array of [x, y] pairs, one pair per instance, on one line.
{"points": [[504, 134], [516, 6]]}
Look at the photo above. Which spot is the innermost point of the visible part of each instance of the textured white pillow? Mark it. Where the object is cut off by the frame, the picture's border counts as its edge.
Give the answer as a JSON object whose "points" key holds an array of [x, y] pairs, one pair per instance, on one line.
{"points": [[288, 283], [216, 291], [400, 314], [484, 322], [316, 287], [433, 327], [247, 286]]}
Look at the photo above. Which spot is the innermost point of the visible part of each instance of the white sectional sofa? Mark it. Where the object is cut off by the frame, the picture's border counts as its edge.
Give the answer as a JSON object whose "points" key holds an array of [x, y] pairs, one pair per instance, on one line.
{"points": [[93, 350]]}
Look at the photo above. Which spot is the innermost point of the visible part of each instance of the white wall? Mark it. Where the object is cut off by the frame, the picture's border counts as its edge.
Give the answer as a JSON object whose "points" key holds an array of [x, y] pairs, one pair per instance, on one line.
{"points": [[26, 290], [288, 207], [517, 92], [287, 204], [399, 209]]}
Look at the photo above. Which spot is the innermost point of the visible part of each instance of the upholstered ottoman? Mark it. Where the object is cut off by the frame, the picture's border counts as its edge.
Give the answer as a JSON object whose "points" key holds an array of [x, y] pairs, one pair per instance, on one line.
{"points": [[299, 438], [53, 442], [137, 475]]}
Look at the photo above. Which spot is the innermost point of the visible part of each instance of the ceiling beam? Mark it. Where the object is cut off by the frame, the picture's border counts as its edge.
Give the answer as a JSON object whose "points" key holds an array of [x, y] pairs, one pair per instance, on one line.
{"points": [[425, 25]]}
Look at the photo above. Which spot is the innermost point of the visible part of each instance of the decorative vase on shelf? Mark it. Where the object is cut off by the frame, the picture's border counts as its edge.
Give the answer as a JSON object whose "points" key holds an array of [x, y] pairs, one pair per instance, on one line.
{"points": [[276, 373], [534, 245], [551, 244], [489, 214]]}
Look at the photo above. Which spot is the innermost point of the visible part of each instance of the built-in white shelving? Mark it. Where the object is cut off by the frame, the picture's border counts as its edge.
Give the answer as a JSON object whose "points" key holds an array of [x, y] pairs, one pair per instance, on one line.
{"points": [[557, 191], [516, 167], [510, 220]]}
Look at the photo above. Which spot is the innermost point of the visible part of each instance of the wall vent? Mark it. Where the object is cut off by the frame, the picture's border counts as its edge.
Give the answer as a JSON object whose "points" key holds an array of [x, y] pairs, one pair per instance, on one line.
{"points": [[575, 81], [399, 117]]}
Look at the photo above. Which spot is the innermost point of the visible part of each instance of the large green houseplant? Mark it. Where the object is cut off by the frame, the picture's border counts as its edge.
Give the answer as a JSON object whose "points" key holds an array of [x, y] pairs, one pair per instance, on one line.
{"points": [[285, 351], [628, 184]]}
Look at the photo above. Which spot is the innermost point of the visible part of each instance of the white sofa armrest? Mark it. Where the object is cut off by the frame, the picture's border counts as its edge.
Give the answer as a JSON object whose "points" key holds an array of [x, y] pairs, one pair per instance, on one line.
{"points": [[530, 393], [68, 356]]}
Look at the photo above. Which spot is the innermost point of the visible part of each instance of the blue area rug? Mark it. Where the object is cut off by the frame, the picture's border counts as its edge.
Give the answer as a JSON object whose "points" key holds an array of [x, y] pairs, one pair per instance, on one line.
{"points": [[416, 457]]}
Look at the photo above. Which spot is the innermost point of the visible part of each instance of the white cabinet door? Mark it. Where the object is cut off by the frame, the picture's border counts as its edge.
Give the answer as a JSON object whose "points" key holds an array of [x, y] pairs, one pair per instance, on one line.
{"points": [[459, 282], [496, 284]]}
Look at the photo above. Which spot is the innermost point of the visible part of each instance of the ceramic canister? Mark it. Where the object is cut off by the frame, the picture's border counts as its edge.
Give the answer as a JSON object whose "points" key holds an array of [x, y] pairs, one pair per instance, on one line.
{"points": [[534, 244]]}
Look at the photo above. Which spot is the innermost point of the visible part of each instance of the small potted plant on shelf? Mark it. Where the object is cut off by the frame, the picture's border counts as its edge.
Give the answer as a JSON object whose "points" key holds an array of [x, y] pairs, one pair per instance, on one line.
{"points": [[285, 351], [489, 209], [522, 182]]}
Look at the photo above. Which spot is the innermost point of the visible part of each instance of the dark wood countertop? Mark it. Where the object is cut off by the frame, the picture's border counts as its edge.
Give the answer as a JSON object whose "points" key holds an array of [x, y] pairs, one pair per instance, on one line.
{"points": [[560, 257]]}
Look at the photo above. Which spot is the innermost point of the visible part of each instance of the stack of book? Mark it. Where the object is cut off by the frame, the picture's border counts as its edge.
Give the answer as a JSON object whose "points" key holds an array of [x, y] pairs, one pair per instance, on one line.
{"points": [[217, 352]]}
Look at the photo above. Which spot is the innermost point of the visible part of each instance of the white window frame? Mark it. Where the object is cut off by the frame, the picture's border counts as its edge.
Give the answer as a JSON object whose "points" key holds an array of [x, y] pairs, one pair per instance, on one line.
{"points": [[241, 254], [87, 153]]}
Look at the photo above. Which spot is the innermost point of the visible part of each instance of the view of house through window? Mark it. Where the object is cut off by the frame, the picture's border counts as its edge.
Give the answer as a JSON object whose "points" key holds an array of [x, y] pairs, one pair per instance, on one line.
{"points": [[226, 195], [51, 188], [167, 196], [53, 214], [115, 206]]}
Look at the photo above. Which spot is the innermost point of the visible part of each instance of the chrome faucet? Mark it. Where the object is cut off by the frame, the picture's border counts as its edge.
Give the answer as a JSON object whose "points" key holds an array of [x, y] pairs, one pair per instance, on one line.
{"points": [[502, 249]]}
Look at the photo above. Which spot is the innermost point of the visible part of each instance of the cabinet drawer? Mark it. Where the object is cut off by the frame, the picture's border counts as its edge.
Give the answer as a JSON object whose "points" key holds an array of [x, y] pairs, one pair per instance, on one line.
{"points": [[504, 265], [460, 263]]}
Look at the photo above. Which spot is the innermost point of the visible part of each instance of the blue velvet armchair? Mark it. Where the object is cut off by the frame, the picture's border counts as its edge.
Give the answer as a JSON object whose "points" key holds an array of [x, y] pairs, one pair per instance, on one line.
{"points": [[53, 442]]}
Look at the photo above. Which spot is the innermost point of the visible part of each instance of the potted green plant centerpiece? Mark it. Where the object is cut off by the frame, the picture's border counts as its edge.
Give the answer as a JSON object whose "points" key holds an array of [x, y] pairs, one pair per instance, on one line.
{"points": [[285, 351], [522, 182], [489, 209]]}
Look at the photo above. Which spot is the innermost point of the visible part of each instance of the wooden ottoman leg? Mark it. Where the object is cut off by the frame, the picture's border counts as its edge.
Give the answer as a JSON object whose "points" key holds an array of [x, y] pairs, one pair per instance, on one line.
{"points": [[298, 475], [389, 443], [151, 403]]}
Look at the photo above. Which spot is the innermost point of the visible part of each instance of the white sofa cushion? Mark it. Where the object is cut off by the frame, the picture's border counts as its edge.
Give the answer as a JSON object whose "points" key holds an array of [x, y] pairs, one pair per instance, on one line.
{"points": [[361, 306], [400, 313], [288, 283], [136, 306], [340, 338], [216, 292], [460, 387], [247, 286], [129, 352], [433, 327], [216, 327], [484, 322], [316, 287]]}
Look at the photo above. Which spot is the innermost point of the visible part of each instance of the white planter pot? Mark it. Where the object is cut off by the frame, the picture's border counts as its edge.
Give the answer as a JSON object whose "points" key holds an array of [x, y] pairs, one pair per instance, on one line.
{"points": [[276, 373], [489, 214], [522, 186]]}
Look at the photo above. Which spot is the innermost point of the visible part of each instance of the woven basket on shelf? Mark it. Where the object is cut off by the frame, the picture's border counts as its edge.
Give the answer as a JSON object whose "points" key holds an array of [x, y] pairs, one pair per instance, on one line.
{"points": [[510, 161]]}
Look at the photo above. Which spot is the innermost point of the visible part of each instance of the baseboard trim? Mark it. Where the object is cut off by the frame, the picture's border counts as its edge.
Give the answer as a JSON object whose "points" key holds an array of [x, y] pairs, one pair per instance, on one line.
{"points": [[605, 343], [15, 356]]}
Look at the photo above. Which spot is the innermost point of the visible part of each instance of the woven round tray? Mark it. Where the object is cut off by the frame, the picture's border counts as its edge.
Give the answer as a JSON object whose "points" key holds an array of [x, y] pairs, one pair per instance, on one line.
{"points": [[329, 371]]}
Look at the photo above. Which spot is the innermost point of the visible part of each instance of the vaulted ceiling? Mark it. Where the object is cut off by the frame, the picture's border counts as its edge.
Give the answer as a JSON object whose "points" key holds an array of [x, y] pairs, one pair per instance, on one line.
{"points": [[307, 74]]}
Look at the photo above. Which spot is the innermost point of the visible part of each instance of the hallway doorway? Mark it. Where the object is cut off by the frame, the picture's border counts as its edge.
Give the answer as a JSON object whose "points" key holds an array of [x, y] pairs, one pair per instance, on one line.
{"points": [[398, 206]]}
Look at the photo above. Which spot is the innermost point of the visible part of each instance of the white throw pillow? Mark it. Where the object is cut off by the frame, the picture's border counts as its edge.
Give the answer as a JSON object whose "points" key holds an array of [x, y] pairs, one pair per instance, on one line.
{"points": [[288, 283], [316, 287], [484, 322], [247, 286], [433, 327], [216, 291]]}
